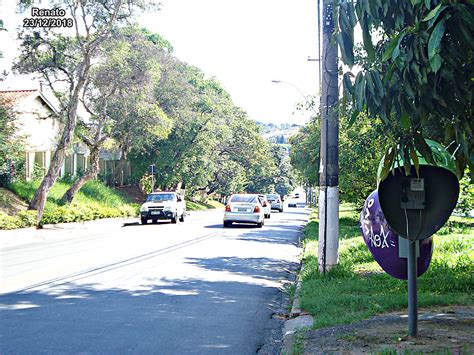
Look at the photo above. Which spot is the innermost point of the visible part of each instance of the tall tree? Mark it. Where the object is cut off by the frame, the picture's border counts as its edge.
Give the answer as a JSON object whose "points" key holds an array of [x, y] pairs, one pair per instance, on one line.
{"points": [[304, 156], [283, 182], [65, 63], [360, 145], [418, 75], [119, 99]]}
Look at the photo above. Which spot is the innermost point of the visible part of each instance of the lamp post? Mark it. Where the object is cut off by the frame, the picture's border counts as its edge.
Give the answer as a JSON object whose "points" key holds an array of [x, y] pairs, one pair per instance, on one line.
{"points": [[298, 89]]}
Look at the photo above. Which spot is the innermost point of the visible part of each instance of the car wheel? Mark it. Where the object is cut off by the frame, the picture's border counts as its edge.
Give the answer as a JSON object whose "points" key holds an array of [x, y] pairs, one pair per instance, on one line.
{"points": [[154, 221], [281, 210], [260, 225], [174, 219], [269, 215], [227, 224], [144, 220], [181, 219]]}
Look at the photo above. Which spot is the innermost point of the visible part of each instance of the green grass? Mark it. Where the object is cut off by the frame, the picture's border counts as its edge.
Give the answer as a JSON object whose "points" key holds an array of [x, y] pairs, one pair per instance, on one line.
{"points": [[95, 200], [198, 206], [357, 288], [93, 192]]}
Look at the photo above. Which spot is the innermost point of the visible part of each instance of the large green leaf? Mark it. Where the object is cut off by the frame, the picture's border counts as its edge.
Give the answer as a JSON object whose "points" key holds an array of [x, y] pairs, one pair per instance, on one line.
{"points": [[405, 120], [366, 37], [387, 161], [433, 14], [415, 160], [346, 46], [436, 62], [347, 84], [406, 159], [393, 49], [434, 45], [359, 91], [423, 148]]}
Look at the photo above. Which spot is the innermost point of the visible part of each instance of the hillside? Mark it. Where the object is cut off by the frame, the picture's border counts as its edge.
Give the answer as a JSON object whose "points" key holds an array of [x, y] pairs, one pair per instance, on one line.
{"points": [[278, 134], [10, 203]]}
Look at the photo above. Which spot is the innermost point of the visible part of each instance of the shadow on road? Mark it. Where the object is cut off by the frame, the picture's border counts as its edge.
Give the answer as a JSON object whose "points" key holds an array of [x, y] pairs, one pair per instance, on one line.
{"points": [[164, 316]]}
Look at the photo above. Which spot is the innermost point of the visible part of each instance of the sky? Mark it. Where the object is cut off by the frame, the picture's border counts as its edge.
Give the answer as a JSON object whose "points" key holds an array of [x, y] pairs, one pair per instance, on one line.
{"points": [[245, 44]]}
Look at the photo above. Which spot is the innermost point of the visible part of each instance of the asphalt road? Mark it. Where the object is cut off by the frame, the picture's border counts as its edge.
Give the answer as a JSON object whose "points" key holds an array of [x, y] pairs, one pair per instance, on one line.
{"points": [[101, 287]]}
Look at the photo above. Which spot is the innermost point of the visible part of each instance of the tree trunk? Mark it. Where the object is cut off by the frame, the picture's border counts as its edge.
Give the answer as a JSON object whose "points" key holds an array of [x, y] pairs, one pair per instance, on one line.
{"points": [[39, 199], [90, 174], [118, 176]]}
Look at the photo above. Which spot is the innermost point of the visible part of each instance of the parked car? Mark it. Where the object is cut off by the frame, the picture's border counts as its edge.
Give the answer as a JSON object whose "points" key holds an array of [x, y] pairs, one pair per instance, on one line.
{"points": [[276, 202], [267, 208], [245, 208], [163, 205]]}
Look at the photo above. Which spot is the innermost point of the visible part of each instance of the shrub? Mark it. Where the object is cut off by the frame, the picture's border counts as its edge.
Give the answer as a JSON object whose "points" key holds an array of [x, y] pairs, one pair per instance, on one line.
{"points": [[9, 222], [93, 201], [28, 218]]}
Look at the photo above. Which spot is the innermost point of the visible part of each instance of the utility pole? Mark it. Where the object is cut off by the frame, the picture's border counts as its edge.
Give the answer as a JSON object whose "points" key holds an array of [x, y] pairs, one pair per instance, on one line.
{"points": [[329, 163]]}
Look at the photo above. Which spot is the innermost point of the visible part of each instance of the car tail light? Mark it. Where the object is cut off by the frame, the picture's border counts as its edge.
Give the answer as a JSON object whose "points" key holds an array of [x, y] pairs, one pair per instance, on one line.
{"points": [[257, 209], [227, 208]]}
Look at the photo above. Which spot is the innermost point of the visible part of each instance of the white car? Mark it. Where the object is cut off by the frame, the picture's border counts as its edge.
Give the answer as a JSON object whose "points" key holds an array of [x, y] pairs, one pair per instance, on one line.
{"points": [[276, 202], [163, 205], [244, 208]]}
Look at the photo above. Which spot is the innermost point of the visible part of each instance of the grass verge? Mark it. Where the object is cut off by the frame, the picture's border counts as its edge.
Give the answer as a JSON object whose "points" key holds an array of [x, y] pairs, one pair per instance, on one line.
{"points": [[198, 206], [95, 200], [357, 288]]}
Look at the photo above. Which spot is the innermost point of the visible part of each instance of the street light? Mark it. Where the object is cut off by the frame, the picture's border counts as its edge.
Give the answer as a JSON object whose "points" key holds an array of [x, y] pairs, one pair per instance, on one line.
{"points": [[297, 88]]}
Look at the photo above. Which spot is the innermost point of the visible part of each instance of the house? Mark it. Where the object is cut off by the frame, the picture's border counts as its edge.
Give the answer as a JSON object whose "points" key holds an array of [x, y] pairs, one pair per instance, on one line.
{"points": [[38, 121]]}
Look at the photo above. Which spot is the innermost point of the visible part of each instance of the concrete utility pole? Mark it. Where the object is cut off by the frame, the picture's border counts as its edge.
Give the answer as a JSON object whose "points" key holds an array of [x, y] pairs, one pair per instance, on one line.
{"points": [[329, 164]]}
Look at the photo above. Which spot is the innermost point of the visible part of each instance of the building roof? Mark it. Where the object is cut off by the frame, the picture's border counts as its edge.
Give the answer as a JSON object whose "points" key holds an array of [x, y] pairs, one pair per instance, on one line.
{"points": [[13, 97]]}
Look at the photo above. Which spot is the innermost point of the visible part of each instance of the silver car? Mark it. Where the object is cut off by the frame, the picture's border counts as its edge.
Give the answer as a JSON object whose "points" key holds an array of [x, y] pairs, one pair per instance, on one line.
{"points": [[244, 208], [276, 202]]}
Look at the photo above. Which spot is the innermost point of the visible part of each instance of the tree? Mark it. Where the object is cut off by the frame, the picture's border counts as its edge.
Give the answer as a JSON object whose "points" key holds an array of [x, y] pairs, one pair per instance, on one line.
{"points": [[304, 154], [213, 147], [360, 146], [119, 99], [11, 145], [283, 179], [65, 63], [419, 74]]}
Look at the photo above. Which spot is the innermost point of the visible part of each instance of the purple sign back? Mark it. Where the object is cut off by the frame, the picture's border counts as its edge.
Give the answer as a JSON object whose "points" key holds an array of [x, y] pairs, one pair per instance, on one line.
{"points": [[383, 242]]}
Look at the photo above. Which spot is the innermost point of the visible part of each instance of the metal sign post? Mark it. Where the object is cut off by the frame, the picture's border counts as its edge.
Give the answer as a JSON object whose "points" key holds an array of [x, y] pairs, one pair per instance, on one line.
{"points": [[412, 290], [152, 172]]}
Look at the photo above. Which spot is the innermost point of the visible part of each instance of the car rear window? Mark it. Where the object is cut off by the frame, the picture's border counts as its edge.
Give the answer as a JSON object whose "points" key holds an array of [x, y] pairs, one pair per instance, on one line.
{"points": [[273, 196], [243, 198], [160, 198]]}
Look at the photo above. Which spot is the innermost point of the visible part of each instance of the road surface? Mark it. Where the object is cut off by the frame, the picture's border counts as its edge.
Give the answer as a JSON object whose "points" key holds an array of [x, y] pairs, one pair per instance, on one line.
{"points": [[101, 287]]}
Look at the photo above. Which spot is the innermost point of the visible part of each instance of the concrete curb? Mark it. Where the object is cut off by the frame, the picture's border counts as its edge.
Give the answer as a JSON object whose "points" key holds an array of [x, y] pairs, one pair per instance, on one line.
{"points": [[298, 319]]}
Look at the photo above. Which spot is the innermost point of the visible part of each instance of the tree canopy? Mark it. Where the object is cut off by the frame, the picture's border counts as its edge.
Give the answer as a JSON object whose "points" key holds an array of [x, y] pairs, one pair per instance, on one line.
{"points": [[416, 73]]}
